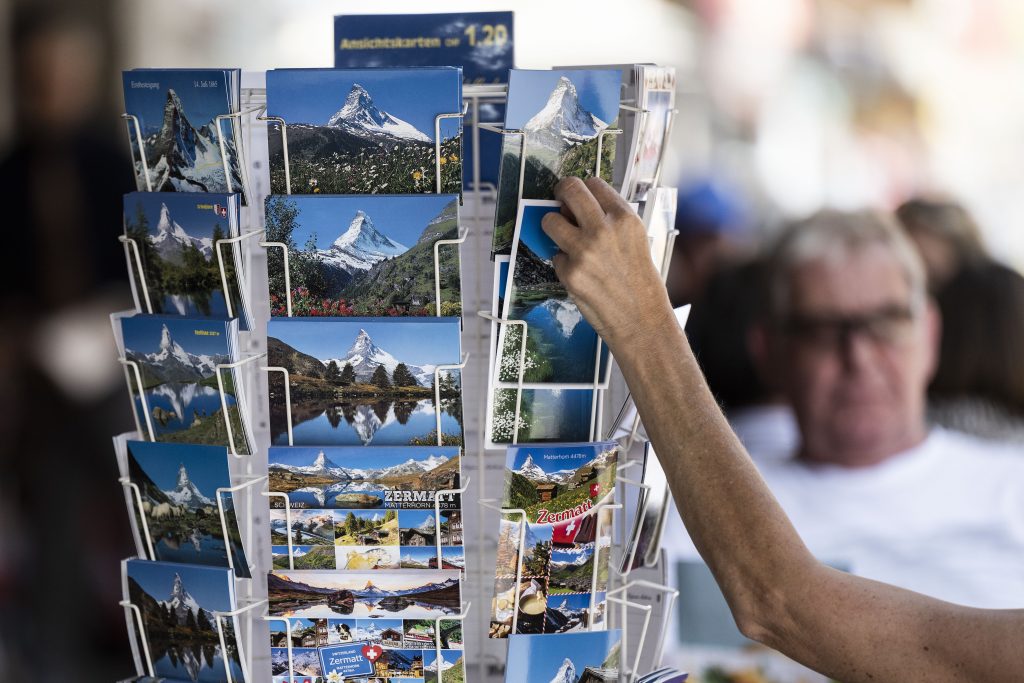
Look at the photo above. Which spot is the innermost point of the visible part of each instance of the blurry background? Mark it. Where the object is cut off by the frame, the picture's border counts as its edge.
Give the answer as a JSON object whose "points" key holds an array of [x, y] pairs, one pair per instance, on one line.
{"points": [[785, 107]]}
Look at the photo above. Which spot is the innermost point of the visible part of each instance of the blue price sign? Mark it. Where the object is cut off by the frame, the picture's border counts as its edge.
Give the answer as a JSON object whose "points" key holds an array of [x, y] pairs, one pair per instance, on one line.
{"points": [[480, 42]]}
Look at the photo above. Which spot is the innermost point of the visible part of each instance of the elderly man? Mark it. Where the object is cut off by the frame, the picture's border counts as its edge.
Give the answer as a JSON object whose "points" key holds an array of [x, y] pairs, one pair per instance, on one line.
{"points": [[851, 339]]}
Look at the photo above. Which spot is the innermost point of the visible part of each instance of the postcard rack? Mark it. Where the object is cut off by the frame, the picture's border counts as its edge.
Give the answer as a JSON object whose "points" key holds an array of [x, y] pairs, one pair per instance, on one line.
{"points": [[484, 656]]}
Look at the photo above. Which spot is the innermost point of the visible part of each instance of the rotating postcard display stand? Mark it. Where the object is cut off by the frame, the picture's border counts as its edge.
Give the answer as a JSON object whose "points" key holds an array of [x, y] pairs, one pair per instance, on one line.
{"points": [[249, 470]]}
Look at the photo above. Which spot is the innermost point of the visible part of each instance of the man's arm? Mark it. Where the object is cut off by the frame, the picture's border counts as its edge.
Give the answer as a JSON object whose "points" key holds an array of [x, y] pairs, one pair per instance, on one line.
{"points": [[849, 628]]}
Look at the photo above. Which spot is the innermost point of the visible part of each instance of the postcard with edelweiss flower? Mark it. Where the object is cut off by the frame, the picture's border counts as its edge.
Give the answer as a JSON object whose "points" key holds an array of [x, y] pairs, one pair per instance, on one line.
{"points": [[372, 131]]}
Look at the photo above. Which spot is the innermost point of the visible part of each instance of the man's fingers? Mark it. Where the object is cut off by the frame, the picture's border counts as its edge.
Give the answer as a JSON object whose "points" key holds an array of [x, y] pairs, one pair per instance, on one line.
{"points": [[574, 194], [609, 200], [561, 231]]}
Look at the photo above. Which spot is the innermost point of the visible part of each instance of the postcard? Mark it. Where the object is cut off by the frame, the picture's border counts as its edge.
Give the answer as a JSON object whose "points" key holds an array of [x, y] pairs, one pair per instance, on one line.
{"points": [[375, 512], [365, 131], [364, 255], [365, 381], [588, 656], [561, 346], [177, 239], [356, 648], [559, 552], [376, 595], [177, 359], [177, 110], [545, 415], [658, 93], [178, 485], [562, 115], [179, 603]]}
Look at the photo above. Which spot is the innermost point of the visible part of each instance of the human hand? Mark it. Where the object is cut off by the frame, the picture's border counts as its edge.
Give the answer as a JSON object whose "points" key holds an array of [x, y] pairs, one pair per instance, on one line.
{"points": [[605, 261]]}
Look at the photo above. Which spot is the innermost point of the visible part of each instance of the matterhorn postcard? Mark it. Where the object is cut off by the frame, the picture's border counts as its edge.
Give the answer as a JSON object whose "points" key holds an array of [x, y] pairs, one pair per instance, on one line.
{"points": [[364, 255], [375, 595], [178, 486], [562, 116], [179, 604], [182, 139], [176, 236], [572, 658], [353, 649], [373, 131], [365, 381], [177, 360]]}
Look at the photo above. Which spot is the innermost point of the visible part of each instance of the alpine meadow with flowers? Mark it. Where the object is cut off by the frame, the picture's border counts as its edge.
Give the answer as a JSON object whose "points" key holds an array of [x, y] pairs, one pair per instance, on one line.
{"points": [[384, 139]]}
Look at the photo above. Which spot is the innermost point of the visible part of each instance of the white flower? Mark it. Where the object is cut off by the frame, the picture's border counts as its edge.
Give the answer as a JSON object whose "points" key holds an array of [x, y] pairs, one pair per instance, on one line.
{"points": [[334, 677]]}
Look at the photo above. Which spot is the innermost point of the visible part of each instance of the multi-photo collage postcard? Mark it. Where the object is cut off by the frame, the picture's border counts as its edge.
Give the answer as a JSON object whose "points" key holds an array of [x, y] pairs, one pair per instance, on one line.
{"points": [[365, 381], [178, 485], [365, 131], [177, 359], [177, 111], [562, 563], [374, 510], [364, 255], [561, 115], [177, 236], [179, 605], [362, 649]]}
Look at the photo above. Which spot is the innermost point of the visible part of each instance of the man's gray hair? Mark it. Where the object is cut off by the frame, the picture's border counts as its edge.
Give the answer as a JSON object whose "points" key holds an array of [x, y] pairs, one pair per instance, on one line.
{"points": [[831, 235]]}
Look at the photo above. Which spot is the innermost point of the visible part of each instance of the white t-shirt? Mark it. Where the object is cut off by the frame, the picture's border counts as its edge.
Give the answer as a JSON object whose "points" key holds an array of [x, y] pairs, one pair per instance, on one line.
{"points": [[945, 518]]}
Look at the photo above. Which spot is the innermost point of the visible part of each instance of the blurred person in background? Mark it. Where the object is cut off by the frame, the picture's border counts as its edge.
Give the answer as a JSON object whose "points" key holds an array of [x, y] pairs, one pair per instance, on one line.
{"points": [[945, 235], [852, 340], [979, 384], [62, 514]]}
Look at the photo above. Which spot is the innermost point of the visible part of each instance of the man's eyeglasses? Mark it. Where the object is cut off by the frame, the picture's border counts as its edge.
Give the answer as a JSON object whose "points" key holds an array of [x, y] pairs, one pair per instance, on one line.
{"points": [[888, 325]]}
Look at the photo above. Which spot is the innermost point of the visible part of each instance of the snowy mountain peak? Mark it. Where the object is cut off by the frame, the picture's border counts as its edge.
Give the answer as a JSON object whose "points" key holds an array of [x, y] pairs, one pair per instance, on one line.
{"points": [[363, 240], [531, 470], [563, 115], [166, 342], [322, 462], [181, 601], [566, 673], [428, 524], [360, 116], [182, 475], [171, 239], [186, 492]]}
